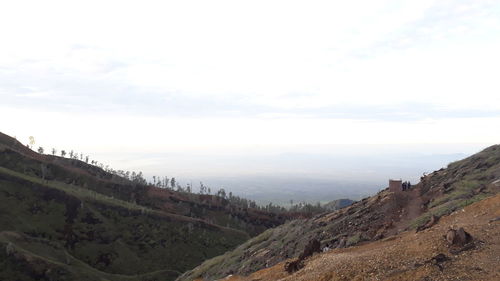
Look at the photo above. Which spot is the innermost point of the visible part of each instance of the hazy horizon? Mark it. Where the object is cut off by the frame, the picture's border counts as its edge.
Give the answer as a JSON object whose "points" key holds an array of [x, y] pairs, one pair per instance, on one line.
{"points": [[212, 91], [278, 174]]}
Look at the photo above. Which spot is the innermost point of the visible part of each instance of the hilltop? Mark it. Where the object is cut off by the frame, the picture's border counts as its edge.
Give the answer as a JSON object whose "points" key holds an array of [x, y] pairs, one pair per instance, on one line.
{"points": [[337, 204], [378, 217], [65, 219]]}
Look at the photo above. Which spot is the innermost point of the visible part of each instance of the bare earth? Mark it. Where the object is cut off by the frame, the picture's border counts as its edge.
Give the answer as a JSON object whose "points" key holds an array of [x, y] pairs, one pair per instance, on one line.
{"points": [[407, 256]]}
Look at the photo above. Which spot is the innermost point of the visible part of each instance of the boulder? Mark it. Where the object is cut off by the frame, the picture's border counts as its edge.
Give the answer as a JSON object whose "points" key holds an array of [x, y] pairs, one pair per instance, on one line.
{"points": [[314, 246], [458, 237], [432, 221], [293, 266]]}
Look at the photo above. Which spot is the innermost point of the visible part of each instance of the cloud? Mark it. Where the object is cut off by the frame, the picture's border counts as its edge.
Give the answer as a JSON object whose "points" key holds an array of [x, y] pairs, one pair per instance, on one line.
{"points": [[440, 22], [381, 61]]}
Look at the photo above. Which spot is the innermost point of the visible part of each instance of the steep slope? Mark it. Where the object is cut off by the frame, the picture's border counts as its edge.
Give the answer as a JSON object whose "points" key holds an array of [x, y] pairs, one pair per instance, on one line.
{"points": [[63, 219], [217, 210], [424, 255], [108, 234], [385, 214]]}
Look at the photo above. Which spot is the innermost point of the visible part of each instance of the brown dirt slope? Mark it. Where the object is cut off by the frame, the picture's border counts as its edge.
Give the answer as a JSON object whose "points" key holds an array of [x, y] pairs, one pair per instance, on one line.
{"points": [[408, 256], [378, 217]]}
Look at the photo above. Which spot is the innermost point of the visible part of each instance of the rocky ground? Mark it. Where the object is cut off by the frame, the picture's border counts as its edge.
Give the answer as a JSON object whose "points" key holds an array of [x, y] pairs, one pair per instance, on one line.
{"points": [[425, 255], [377, 218]]}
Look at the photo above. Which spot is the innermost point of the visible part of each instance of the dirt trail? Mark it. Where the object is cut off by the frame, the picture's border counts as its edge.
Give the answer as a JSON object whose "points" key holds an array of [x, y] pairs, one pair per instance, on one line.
{"points": [[412, 210], [404, 256]]}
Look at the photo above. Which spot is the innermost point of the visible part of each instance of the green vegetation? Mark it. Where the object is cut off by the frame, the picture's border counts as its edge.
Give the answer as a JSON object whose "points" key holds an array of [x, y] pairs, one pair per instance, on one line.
{"points": [[463, 183], [441, 192], [107, 234], [446, 207], [353, 240], [77, 231], [65, 219], [77, 191], [463, 189], [97, 230], [94, 183]]}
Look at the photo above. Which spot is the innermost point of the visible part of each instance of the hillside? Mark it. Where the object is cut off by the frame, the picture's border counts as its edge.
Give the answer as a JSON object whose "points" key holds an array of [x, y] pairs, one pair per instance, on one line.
{"points": [[63, 219], [16, 157], [337, 204], [408, 256], [371, 219]]}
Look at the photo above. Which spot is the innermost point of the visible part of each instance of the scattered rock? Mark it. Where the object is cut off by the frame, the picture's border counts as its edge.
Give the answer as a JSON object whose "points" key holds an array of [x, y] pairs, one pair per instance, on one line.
{"points": [[437, 260], [494, 219], [457, 250], [458, 237], [293, 266], [432, 221], [314, 246], [463, 237], [450, 236], [459, 241], [342, 243]]}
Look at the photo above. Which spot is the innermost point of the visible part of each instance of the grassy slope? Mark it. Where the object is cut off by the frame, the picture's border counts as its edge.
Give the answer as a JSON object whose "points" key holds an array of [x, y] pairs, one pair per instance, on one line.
{"points": [[105, 233], [461, 183], [17, 157], [105, 227], [82, 224]]}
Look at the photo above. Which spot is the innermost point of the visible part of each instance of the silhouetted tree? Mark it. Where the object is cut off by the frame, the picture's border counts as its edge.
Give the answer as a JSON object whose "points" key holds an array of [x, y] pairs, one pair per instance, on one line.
{"points": [[221, 193], [54, 151], [166, 182], [40, 150], [63, 153], [31, 141], [203, 188]]}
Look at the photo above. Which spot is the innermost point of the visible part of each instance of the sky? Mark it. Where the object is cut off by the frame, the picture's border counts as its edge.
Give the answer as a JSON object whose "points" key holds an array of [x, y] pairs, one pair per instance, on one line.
{"points": [[184, 78]]}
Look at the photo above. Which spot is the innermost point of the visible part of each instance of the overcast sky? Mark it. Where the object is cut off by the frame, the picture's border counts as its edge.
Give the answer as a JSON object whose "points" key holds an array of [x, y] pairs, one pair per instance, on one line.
{"points": [[160, 76]]}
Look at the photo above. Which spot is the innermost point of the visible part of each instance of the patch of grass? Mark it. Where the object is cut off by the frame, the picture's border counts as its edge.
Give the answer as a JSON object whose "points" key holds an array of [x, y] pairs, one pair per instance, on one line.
{"points": [[446, 209], [355, 239], [214, 268], [464, 189]]}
